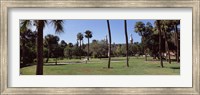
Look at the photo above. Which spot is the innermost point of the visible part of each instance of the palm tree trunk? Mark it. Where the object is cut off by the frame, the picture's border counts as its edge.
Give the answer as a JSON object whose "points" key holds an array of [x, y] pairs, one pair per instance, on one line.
{"points": [[39, 70], [160, 54], [167, 47], [88, 50], [177, 44], [109, 49], [125, 26]]}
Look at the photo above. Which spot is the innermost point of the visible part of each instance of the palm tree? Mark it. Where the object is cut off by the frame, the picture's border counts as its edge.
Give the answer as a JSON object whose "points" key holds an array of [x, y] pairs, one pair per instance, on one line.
{"points": [[80, 38], [88, 35], [40, 24], [165, 28], [109, 49], [125, 26], [175, 24], [159, 30], [51, 41]]}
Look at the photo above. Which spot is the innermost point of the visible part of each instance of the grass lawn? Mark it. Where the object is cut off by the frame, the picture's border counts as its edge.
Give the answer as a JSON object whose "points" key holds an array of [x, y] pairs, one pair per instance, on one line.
{"points": [[99, 67]]}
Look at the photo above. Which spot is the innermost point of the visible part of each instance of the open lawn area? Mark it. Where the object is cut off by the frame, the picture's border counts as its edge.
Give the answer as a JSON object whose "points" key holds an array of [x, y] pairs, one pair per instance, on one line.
{"points": [[138, 66]]}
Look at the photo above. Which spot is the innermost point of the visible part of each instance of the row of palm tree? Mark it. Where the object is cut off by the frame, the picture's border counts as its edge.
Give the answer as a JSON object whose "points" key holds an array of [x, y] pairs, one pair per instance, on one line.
{"points": [[88, 35], [139, 28]]}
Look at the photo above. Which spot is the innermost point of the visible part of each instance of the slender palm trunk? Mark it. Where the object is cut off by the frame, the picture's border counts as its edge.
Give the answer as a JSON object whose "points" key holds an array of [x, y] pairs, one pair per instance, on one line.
{"points": [[125, 26], [160, 54], [177, 44], [39, 70], [109, 49], [88, 50], [167, 47]]}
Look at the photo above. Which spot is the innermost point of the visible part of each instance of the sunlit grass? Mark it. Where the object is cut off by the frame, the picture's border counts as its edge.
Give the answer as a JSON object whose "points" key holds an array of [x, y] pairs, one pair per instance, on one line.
{"points": [[99, 67]]}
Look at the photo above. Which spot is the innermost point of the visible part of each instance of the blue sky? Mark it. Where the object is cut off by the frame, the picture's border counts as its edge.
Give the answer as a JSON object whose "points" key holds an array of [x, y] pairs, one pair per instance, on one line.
{"points": [[98, 28]]}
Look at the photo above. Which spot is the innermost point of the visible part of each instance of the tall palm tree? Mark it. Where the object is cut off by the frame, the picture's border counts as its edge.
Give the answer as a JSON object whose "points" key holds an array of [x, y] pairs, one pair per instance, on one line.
{"points": [[175, 24], [40, 24], [125, 27], [165, 28], [88, 35], [80, 38], [109, 49], [160, 54]]}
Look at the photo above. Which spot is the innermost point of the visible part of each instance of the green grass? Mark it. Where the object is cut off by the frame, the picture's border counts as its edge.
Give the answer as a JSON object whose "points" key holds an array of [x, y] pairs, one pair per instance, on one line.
{"points": [[99, 67]]}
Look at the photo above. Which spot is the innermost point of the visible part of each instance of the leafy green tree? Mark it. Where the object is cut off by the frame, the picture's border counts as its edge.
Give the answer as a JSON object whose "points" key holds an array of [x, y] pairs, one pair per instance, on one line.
{"points": [[51, 42], [68, 50], [144, 31], [24, 24], [27, 48], [57, 52], [88, 35], [63, 45]]}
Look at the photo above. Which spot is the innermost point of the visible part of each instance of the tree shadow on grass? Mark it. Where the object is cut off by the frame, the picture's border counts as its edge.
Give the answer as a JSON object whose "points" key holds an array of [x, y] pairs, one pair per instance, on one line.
{"points": [[54, 64], [170, 67], [175, 67]]}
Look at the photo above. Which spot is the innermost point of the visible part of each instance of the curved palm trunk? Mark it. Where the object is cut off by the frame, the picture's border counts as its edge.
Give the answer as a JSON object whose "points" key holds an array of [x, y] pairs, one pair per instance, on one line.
{"points": [[109, 49], [88, 50], [125, 26], [160, 54], [177, 44], [39, 70]]}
